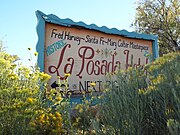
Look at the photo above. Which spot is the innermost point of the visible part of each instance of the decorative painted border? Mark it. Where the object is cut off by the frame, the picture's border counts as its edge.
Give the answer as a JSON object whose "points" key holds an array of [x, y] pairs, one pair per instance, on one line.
{"points": [[42, 18]]}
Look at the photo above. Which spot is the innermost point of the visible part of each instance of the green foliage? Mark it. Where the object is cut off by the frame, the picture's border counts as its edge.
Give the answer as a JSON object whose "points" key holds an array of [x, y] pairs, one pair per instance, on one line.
{"points": [[161, 17], [123, 112], [145, 101], [24, 107], [84, 116]]}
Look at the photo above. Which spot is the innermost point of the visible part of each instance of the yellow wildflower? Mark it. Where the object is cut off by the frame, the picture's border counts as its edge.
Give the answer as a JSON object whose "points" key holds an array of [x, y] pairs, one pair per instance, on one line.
{"points": [[13, 65], [86, 101], [58, 114], [80, 109], [53, 91], [42, 121], [59, 118], [28, 111], [58, 98], [59, 125], [129, 69], [49, 109], [169, 111], [83, 92], [2, 61], [99, 97], [77, 119], [158, 79], [67, 75], [93, 132], [47, 117], [50, 98], [141, 91], [36, 53], [93, 84], [151, 88], [13, 76], [44, 77], [36, 112], [42, 116], [54, 118], [171, 122], [29, 100], [25, 71], [41, 111], [50, 115]]}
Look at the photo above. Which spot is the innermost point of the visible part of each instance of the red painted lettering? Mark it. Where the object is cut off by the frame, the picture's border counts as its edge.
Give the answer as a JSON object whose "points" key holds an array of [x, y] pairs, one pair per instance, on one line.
{"points": [[126, 52], [70, 65], [90, 67], [97, 72], [84, 52], [55, 69]]}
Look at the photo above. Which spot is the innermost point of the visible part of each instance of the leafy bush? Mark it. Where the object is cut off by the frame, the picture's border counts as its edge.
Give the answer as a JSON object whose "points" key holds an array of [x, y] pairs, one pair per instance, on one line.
{"points": [[24, 103], [146, 101], [85, 114]]}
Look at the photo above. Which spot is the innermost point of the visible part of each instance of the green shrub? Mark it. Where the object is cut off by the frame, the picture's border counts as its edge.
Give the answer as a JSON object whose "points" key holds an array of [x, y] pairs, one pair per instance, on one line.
{"points": [[24, 103], [145, 100]]}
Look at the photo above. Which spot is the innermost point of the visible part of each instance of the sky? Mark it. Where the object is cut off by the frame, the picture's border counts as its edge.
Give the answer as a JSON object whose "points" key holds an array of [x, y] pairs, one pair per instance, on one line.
{"points": [[18, 20]]}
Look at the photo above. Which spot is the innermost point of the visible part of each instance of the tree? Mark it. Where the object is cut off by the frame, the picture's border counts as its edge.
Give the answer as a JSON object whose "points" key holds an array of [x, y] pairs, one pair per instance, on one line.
{"points": [[161, 17]]}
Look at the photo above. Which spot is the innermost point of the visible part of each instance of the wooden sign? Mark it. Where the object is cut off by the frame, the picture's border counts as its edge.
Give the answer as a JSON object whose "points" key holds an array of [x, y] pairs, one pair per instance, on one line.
{"points": [[88, 52]]}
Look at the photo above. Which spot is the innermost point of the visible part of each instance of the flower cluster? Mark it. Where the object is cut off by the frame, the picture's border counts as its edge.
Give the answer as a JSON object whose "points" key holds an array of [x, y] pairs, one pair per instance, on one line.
{"points": [[47, 121], [23, 105]]}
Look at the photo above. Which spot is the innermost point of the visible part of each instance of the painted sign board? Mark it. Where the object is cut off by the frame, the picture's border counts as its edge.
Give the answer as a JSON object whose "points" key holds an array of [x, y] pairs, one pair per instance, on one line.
{"points": [[88, 52]]}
